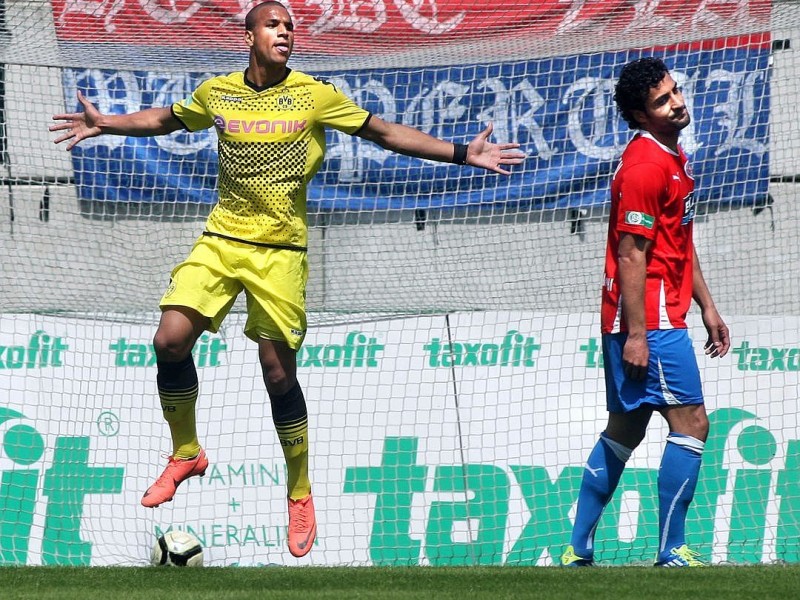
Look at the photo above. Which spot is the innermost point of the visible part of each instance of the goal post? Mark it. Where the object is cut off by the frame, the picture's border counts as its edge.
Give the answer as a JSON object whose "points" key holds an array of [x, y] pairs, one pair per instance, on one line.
{"points": [[452, 367]]}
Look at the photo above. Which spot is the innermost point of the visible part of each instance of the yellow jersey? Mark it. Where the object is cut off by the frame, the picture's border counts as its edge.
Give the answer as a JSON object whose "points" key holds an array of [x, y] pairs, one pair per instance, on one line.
{"points": [[271, 143]]}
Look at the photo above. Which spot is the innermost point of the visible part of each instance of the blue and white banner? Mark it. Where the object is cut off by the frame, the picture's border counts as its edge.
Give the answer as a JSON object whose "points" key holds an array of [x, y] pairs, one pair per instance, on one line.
{"points": [[560, 110]]}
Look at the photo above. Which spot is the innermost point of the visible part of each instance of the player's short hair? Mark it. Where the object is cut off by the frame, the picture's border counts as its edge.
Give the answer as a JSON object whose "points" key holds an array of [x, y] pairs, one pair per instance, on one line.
{"points": [[633, 87], [250, 17]]}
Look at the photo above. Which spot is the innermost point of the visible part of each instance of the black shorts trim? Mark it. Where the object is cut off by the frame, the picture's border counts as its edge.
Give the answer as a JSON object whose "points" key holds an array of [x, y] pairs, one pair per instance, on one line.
{"points": [[259, 244]]}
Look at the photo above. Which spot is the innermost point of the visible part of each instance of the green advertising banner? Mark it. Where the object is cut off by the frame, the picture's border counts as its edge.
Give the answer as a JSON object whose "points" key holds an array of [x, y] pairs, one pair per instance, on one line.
{"points": [[439, 440]]}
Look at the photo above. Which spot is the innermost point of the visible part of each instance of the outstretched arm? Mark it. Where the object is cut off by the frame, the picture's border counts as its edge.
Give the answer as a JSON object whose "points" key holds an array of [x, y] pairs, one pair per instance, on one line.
{"points": [[719, 341], [91, 123], [412, 142]]}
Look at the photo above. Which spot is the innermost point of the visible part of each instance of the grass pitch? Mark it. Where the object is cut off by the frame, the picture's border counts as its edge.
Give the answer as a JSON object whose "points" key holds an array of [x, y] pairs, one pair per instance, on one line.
{"points": [[763, 582]]}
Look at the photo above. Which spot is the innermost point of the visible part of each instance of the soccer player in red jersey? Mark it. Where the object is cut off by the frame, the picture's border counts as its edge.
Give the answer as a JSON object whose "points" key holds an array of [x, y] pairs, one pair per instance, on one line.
{"points": [[652, 274], [270, 121]]}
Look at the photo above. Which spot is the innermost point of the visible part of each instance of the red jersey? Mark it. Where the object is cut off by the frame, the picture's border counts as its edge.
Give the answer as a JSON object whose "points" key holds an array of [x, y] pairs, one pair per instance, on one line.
{"points": [[652, 195]]}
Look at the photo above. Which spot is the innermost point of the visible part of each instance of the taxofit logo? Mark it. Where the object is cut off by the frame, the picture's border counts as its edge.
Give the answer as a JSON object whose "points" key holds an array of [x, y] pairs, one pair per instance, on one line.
{"points": [[467, 516], [515, 350], [207, 352], [752, 358], [357, 351], [42, 350], [64, 485], [747, 357]]}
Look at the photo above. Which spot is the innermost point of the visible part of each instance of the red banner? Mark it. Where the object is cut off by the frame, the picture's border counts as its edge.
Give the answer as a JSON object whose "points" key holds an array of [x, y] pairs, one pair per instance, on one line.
{"points": [[371, 26]]}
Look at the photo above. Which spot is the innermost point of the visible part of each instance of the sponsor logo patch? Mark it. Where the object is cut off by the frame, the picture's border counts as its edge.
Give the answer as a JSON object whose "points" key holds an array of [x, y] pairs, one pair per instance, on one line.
{"points": [[633, 217]]}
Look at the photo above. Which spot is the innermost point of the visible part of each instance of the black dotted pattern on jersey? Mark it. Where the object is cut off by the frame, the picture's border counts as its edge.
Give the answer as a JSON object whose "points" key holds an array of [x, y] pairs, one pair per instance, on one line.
{"points": [[259, 183]]}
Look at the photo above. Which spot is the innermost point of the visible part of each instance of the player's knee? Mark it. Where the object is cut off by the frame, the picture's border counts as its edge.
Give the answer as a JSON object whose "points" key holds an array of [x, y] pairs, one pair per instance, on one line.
{"points": [[169, 348], [629, 439], [688, 420], [700, 426], [278, 382], [696, 422], [628, 429], [278, 367]]}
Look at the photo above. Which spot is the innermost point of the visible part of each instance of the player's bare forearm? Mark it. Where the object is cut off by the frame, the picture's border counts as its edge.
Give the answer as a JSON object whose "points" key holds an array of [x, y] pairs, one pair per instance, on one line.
{"points": [[144, 123], [719, 341], [700, 292], [409, 141], [91, 122], [632, 277]]}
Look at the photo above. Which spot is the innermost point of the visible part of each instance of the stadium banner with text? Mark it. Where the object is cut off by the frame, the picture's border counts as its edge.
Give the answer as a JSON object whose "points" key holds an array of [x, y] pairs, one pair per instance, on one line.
{"points": [[378, 26], [404, 472], [560, 110]]}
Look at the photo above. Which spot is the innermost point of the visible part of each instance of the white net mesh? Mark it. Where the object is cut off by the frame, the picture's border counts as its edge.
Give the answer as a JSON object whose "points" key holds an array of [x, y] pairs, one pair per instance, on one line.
{"points": [[452, 369]]}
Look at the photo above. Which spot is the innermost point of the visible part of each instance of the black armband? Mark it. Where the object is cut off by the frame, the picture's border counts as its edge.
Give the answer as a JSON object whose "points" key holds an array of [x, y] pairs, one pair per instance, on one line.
{"points": [[460, 154]]}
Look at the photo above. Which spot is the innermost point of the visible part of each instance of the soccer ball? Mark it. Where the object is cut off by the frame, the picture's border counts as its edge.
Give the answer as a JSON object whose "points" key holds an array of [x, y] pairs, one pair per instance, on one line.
{"points": [[177, 549]]}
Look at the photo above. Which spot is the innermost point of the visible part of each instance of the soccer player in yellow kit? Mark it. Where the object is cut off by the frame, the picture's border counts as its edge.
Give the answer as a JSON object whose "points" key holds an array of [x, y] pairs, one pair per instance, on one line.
{"points": [[270, 121]]}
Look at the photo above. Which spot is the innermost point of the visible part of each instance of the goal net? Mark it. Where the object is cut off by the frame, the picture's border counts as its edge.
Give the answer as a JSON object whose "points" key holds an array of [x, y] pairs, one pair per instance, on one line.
{"points": [[452, 366]]}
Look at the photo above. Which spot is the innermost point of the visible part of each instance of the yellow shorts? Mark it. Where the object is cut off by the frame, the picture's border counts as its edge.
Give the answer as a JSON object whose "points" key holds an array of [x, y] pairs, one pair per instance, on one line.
{"points": [[273, 279]]}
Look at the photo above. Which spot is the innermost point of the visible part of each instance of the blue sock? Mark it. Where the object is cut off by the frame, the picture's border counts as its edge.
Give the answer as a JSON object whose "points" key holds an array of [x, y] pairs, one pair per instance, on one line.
{"points": [[600, 478], [677, 480]]}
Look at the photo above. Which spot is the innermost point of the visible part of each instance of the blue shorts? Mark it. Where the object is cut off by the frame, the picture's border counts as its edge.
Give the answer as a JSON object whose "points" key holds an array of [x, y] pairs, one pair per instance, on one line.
{"points": [[673, 378]]}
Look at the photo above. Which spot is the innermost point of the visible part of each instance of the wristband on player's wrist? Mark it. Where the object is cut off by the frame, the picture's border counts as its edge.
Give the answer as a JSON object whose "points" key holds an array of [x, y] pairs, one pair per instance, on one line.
{"points": [[460, 154]]}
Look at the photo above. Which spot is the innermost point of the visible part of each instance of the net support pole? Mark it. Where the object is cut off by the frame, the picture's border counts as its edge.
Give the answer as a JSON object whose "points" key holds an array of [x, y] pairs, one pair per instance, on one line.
{"points": [[5, 36]]}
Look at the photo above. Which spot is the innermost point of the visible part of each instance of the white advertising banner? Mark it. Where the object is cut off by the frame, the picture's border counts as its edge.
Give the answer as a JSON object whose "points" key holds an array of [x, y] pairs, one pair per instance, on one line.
{"points": [[437, 440]]}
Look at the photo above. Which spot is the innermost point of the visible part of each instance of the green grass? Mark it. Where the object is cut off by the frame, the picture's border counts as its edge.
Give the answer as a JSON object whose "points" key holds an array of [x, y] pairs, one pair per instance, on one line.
{"points": [[760, 582]]}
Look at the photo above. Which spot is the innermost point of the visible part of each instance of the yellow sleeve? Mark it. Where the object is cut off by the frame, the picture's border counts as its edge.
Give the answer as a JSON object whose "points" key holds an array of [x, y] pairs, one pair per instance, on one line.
{"points": [[337, 110], [192, 111]]}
